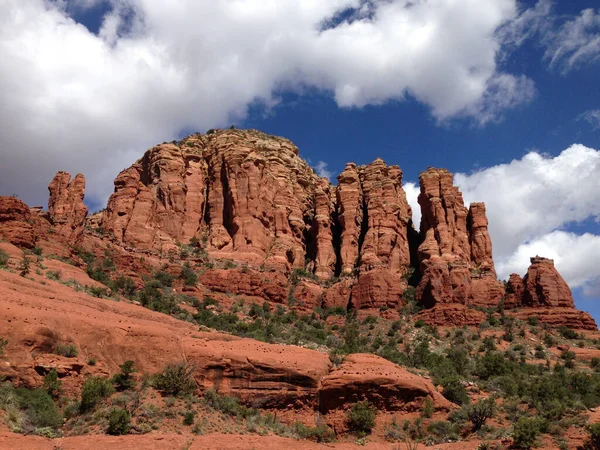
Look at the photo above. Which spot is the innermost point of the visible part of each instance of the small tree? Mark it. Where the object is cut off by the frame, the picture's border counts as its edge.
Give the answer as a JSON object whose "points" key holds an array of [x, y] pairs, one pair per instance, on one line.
{"points": [[361, 417], [119, 422], [52, 383], [593, 441], [24, 266], [478, 413], [94, 390], [525, 433], [124, 380], [3, 258], [175, 379]]}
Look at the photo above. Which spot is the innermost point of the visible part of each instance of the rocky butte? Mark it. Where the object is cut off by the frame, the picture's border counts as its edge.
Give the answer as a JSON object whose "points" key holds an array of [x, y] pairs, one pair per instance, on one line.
{"points": [[198, 227]]}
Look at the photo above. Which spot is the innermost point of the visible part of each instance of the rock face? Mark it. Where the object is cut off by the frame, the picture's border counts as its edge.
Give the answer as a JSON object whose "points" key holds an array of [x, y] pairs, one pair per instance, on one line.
{"points": [[66, 209], [455, 255], [543, 293], [15, 226], [387, 386], [544, 286], [249, 197]]}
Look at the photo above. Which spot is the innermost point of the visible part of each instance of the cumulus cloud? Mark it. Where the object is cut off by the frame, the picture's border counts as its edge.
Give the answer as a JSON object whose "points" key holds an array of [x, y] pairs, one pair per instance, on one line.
{"points": [[532, 201], [84, 102], [412, 194], [322, 170]]}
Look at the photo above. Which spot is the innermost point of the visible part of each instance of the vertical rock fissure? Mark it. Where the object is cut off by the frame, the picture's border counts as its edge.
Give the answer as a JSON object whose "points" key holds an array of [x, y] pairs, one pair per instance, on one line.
{"points": [[364, 227], [414, 241], [310, 242], [336, 240], [227, 202]]}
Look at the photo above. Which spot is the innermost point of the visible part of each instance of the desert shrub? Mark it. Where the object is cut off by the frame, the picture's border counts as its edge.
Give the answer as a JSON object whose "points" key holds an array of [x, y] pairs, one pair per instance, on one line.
{"points": [[40, 409], [567, 333], [52, 384], [119, 422], [3, 258], [533, 320], [361, 417], [321, 433], [492, 364], [175, 379], [441, 432], [525, 433], [125, 285], [478, 413], [428, 409], [227, 405], [54, 274], [455, 391], [97, 273], [3, 344], [94, 390], [24, 266], [188, 275], [124, 380], [67, 350], [593, 440], [164, 278], [569, 358], [188, 418]]}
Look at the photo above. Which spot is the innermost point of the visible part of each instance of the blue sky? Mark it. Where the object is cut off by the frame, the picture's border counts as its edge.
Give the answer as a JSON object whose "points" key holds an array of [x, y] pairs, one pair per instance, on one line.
{"points": [[88, 85]]}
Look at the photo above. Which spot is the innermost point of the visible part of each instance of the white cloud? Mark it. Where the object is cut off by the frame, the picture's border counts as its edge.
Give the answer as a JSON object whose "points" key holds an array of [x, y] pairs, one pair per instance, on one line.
{"points": [[532, 200], [577, 42], [412, 194], [592, 117], [576, 257], [73, 100], [322, 170]]}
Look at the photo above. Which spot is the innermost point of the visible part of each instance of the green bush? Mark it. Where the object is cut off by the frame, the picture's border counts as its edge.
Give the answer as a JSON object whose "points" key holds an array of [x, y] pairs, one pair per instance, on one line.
{"points": [[361, 417], [188, 418], [175, 379], [40, 409], [94, 390], [478, 413], [3, 344], [593, 441], [428, 409], [525, 433], [321, 433], [455, 391], [442, 432], [227, 405], [119, 422], [67, 350], [188, 275], [124, 380], [3, 258], [54, 274], [164, 278], [567, 333], [52, 384], [533, 320]]}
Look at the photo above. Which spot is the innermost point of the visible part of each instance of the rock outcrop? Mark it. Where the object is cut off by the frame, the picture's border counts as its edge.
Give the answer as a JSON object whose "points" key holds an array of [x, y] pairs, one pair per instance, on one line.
{"points": [[543, 293], [66, 209], [455, 255], [384, 384], [15, 226]]}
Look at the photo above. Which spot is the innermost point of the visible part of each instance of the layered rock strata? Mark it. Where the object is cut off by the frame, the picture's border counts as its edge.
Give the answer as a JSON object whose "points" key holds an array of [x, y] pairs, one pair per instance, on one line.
{"points": [[66, 210]]}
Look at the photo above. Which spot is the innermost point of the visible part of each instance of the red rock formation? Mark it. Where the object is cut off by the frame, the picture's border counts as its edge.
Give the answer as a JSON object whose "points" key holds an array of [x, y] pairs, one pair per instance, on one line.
{"points": [[479, 238], [452, 315], [378, 288], [544, 286], [308, 295], [385, 243], [322, 231], [66, 209], [514, 291], [456, 253], [350, 216], [268, 285], [338, 295], [543, 293], [386, 385], [14, 223]]}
